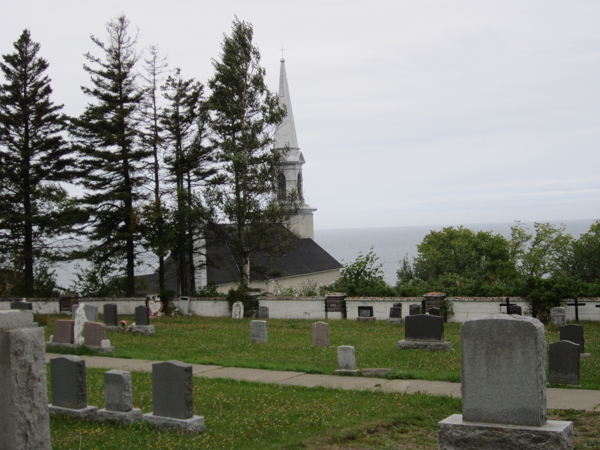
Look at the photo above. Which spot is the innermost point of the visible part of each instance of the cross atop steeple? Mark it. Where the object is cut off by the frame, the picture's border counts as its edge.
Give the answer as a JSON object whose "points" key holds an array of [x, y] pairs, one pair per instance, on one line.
{"points": [[282, 49]]}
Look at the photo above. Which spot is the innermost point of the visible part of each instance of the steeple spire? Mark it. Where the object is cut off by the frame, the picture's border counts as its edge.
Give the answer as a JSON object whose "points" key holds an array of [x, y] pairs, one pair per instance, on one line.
{"points": [[286, 133]]}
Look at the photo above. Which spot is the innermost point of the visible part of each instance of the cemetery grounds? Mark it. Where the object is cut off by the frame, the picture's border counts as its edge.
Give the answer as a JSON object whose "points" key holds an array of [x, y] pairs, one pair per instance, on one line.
{"points": [[245, 415]]}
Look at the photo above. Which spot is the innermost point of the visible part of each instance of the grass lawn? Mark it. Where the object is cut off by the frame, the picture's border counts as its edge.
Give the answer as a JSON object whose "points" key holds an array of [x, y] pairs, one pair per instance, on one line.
{"points": [[244, 415], [226, 342]]}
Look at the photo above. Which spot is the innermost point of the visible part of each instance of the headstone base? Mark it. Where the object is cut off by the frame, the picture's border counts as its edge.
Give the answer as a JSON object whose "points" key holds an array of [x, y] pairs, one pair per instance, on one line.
{"points": [[375, 373], [135, 415], [455, 434], [54, 345], [87, 413], [365, 319], [193, 425], [396, 320], [346, 372], [145, 330], [425, 345], [113, 328], [585, 355]]}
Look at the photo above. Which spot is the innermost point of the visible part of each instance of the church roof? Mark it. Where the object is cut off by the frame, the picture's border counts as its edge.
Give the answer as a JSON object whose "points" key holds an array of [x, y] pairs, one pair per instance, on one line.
{"points": [[286, 133]]}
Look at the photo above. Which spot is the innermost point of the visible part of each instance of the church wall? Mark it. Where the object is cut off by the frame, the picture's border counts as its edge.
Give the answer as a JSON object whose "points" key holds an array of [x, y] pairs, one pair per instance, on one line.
{"points": [[302, 225], [326, 278]]}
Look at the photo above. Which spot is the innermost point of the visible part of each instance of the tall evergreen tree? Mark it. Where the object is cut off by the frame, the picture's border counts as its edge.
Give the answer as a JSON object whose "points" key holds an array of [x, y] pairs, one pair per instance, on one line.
{"points": [[108, 131], [244, 116], [34, 159]]}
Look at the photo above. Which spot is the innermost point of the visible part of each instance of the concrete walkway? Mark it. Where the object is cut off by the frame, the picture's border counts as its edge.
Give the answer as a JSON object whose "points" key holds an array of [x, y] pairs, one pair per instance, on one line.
{"points": [[557, 398]]}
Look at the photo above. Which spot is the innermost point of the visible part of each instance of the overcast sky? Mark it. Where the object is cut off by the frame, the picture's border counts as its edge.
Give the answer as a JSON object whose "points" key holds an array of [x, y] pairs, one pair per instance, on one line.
{"points": [[408, 113]]}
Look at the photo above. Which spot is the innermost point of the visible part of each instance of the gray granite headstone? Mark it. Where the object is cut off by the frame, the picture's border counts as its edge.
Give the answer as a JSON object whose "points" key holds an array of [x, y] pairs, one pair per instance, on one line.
{"points": [[142, 316], [263, 312], [558, 316], [24, 418], [118, 391], [573, 333], [320, 334], [346, 357], [172, 393], [21, 305], [110, 315], [259, 331], [514, 309], [413, 310], [563, 364], [434, 311], [69, 388], [423, 327], [396, 312], [502, 370]]}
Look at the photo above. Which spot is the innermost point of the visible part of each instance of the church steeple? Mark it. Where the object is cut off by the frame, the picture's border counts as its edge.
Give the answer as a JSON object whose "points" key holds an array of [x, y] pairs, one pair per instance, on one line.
{"points": [[286, 133]]}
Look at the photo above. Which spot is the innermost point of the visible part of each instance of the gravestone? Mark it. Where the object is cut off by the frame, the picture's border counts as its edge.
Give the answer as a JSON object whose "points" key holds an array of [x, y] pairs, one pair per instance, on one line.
{"points": [[503, 389], [573, 333], [24, 420], [118, 398], [346, 356], [563, 364], [63, 332], [516, 310], [184, 305], [320, 334], [413, 310], [172, 397], [21, 305], [396, 311], [259, 331], [263, 312], [558, 316], [110, 315], [142, 315], [434, 311], [94, 333], [424, 331], [91, 312], [237, 310], [155, 307], [69, 389]]}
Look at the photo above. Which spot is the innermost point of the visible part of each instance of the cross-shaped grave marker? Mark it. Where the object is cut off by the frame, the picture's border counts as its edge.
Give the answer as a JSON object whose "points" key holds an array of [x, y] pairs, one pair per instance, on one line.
{"points": [[508, 305], [576, 304]]}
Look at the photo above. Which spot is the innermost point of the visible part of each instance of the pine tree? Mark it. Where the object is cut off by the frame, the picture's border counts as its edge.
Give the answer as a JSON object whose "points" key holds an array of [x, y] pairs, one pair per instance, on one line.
{"points": [[244, 116], [35, 212], [108, 131]]}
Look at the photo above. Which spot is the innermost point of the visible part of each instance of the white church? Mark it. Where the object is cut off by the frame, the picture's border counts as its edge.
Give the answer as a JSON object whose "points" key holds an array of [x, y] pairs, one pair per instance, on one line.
{"points": [[305, 263]]}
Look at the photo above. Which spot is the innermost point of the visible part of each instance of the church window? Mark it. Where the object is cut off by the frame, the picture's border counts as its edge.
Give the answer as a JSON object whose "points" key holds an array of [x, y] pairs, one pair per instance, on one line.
{"points": [[300, 193], [281, 190]]}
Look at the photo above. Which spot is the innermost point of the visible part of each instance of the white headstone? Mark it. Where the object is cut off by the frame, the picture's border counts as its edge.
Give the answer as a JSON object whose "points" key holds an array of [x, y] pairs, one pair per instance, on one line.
{"points": [[184, 305], [346, 357], [237, 310]]}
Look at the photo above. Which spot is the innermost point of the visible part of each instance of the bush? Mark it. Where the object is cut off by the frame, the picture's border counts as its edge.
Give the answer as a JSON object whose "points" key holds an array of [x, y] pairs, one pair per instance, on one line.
{"points": [[243, 294]]}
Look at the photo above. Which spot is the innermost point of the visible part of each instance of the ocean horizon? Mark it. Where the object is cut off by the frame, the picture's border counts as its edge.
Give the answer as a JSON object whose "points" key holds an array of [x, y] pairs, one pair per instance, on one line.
{"points": [[391, 244]]}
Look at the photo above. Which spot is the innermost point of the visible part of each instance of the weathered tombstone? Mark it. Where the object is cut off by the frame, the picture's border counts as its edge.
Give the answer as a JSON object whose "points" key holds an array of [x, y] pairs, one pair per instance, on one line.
{"points": [[110, 315], [142, 322], [346, 356], [184, 305], [515, 309], [558, 316], [263, 312], [94, 333], [434, 311], [237, 310], [118, 398], [259, 331], [91, 312], [63, 332], [563, 364], [365, 314], [142, 316], [172, 397], [21, 305], [320, 334], [413, 310], [69, 389], [573, 333], [503, 389], [396, 312], [24, 421], [424, 331]]}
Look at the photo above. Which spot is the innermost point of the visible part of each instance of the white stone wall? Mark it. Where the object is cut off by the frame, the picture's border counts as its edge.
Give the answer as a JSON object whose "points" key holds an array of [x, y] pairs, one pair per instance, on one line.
{"points": [[208, 307], [591, 310], [474, 308], [381, 306], [295, 308], [326, 278]]}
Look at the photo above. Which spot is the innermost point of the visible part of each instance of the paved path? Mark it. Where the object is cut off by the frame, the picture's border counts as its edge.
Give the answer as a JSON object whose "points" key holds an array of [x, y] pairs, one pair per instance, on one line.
{"points": [[557, 398]]}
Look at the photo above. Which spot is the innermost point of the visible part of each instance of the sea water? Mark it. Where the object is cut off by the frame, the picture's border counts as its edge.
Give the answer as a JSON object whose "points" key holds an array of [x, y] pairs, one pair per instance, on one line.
{"points": [[391, 244]]}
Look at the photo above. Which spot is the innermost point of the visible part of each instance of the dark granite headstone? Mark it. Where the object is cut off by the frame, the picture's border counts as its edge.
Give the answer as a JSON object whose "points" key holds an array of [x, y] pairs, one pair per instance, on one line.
{"points": [[21, 305], [63, 331], [513, 309], [94, 333], [573, 333], [395, 313], [434, 311], [172, 390], [142, 316], [263, 312], [413, 310], [563, 364], [117, 390], [110, 315], [69, 389], [423, 327], [365, 311]]}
